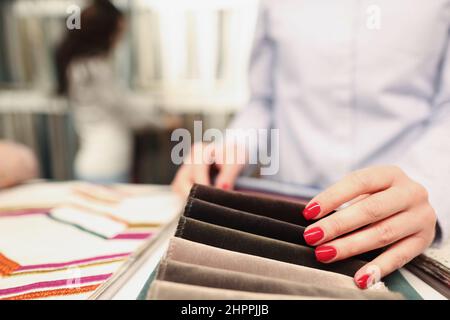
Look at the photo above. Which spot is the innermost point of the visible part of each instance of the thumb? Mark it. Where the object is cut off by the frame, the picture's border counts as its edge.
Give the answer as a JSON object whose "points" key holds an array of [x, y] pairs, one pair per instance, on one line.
{"points": [[227, 176]]}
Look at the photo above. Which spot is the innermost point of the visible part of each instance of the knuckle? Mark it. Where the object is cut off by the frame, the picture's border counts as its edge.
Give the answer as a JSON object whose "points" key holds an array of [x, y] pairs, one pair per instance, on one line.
{"points": [[360, 180], [417, 191], [433, 216], [335, 226], [385, 234], [396, 170], [327, 199], [428, 216], [400, 260], [372, 209], [424, 239]]}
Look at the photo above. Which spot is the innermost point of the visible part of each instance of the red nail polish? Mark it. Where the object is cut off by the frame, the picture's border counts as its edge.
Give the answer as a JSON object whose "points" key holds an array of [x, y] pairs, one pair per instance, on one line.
{"points": [[225, 186], [363, 281], [311, 211], [313, 235], [325, 253]]}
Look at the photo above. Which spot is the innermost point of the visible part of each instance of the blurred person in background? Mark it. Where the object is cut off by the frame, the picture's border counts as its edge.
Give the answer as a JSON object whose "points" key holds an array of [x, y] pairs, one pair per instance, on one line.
{"points": [[361, 97], [105, 113], [17, 164]]}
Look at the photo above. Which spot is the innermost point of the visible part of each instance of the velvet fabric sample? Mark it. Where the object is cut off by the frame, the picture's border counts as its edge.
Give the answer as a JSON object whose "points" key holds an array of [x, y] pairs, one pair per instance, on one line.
{"points": [[200, 254], [181, 272], [244, 242], [244, 221], [288, 211], [165, 290], [252, 223]]}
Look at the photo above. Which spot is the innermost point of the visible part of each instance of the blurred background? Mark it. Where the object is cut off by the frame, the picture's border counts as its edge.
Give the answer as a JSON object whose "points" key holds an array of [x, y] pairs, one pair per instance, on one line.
{"points": [[186, 60]]}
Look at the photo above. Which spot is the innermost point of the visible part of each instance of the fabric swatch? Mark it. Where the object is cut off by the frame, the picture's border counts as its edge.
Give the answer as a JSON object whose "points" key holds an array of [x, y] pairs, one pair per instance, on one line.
{"points": [[17, 284], [244, 242], [200, 254], [165, 290], [243, 221], [136, 211], [252, 223], [48, 250], [288, 211], [65, 240], [98, 225], [433, 266], [181, 272]]}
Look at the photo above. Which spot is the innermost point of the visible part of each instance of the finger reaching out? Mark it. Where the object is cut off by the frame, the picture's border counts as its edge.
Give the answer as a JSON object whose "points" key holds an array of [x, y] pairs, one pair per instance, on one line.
{"points": [[392, 259], [355, 184], [369, 210]]}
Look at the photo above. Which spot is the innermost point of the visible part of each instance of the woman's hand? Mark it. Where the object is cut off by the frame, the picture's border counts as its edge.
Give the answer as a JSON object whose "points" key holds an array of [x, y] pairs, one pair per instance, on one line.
{"points": [[384, 208], [197, 169]]}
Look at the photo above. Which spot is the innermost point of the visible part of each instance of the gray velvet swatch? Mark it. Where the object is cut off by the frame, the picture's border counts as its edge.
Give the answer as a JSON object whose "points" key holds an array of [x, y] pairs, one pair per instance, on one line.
{"points": [[181, 272], [200, 254], [165, 290]]}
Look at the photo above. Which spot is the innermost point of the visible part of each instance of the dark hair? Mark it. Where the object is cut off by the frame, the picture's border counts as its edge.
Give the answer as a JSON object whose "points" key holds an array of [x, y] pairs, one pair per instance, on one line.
{"points": [[98, 32]]}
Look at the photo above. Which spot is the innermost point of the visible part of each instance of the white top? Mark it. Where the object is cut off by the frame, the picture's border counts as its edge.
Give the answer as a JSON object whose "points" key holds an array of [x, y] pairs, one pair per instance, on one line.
{"points": [[354, 83]]}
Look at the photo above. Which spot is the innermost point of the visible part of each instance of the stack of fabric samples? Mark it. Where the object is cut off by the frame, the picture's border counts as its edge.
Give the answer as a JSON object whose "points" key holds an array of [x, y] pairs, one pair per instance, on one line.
{"points": [[233, 245], [65, 240], [433, 267]]}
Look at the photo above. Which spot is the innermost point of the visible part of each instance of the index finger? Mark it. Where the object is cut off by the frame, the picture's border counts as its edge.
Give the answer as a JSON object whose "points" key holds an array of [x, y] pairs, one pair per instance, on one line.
{"points": [[357, 183]]}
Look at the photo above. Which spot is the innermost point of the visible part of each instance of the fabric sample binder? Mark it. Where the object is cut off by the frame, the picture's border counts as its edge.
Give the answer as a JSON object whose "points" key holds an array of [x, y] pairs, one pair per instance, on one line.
{"points": [[235, 245]]}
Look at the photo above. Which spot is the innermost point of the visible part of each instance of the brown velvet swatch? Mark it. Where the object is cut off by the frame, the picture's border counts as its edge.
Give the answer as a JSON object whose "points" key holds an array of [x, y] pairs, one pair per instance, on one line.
{"points": [[288, 211], [244, 221], [244, 242]]}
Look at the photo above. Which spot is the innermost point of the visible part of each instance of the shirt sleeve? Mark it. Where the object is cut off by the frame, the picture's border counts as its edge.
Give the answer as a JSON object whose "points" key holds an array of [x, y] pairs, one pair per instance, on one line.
{"points": [[257, 114], [428, 161]]}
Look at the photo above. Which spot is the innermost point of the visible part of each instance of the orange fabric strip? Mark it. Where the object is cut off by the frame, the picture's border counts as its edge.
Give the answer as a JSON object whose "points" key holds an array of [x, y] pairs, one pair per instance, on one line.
{"points": [[7, 266], [53, 293], [65, 268]]}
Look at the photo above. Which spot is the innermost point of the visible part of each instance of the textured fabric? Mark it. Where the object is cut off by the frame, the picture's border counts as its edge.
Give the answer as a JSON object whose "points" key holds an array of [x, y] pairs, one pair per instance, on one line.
{"points": [[181, 272], [165, 290], [434, 267], [48, 250], [200, 254], [430, 280], [248, 222], [288, 211], [383, 77], [95, 224], [67, 248], [251, 223], [244, 242]]}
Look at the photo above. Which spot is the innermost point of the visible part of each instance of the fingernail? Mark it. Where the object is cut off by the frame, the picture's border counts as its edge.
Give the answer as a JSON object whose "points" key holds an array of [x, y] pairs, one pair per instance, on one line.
{"points": [[325, 253], [313, 235], [363, 281], [311, 211], [225, 186]]}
